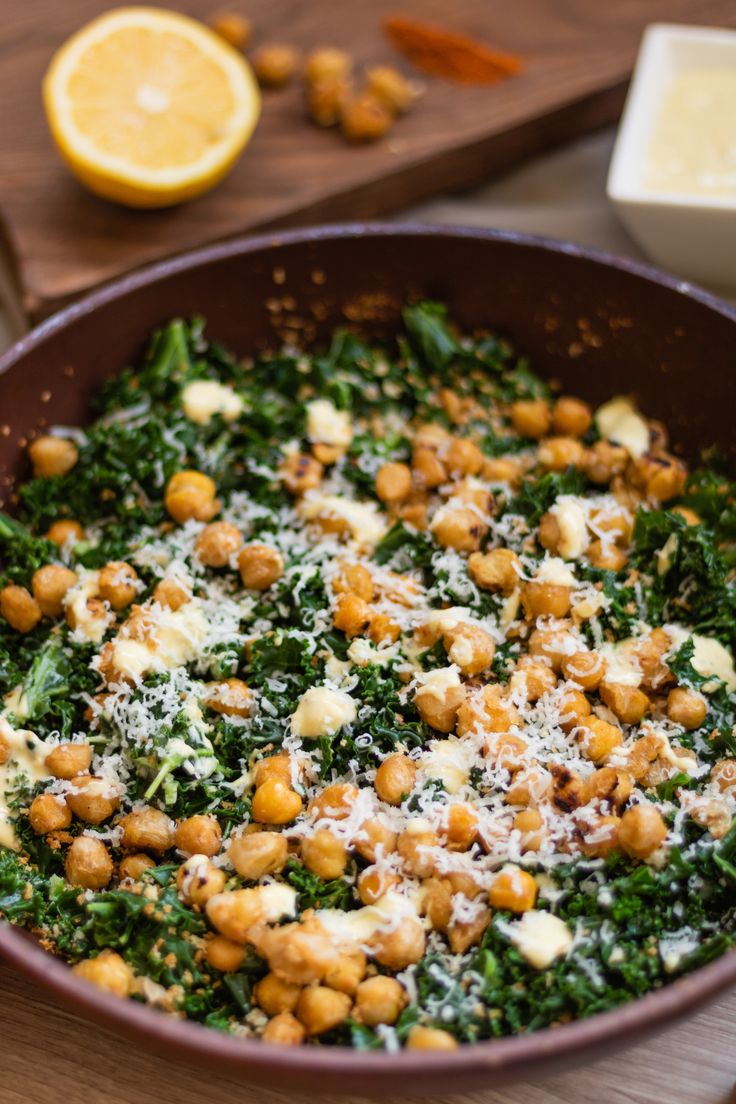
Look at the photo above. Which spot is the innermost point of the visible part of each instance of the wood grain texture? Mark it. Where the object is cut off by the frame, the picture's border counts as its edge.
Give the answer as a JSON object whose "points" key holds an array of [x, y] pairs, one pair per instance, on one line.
{"points": [[51, 1056], [578, 55]]}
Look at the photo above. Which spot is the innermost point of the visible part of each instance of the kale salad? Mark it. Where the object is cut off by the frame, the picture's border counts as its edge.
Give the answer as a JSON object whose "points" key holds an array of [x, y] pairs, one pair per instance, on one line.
{"points": [[374, 696]]}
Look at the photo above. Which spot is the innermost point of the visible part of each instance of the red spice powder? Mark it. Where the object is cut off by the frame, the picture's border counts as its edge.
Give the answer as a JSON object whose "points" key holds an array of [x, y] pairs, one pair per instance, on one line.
{"points": [[447, 54]]}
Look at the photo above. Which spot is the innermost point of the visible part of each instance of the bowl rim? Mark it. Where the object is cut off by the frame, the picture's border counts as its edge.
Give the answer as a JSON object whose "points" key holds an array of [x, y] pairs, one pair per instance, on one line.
{"points": [[512, 1054]]}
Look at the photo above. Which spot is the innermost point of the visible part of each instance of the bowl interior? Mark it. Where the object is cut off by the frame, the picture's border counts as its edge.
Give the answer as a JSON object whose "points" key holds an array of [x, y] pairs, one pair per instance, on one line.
{"points": [[598, 327]]}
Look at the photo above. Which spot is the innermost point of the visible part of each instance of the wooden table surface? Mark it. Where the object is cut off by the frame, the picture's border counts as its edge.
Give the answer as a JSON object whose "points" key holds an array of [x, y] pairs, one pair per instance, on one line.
{"points": [[51, 1057]]}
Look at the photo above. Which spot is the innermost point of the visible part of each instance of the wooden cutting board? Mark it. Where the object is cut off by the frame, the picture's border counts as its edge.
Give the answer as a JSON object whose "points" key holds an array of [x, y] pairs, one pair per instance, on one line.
{"points": [[62, 241]]}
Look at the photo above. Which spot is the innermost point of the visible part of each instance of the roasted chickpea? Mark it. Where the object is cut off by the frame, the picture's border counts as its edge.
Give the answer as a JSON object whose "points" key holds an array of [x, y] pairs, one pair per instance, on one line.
{"points": [[436, 899], [275, 803], [531, 417], [715, 815], [383, 629], [374, 838], [284, 1030], [327, 63], [463, 457], [724, 775], [260, 566], [134, 867], [559, 453], [459, 528], [486, 709], [233, 27], [334, 802], [217, 543], [529, 786], [401, 946], [552, 645], [427, 469], [642, 754], [417, 850], [198, 880], [513, 889], [355, 579], [273, 766], [438, 705], [346, 972], [320, 1009], [472, 493], [503, 469], [661, 477], [498, 569], [65, 532], [600, 837], [118, 584], [536, 679], [585, 668], [529, 824], [300, 472], [574, 710], [19, 608], [324, 854], [461, 827], [88, 863], [68, 760], [49, 585], [571, 417], [274, 64], [392, 87], [542, 599], [274, 995], [326, 100], [147, 829], [256, 854], [686, 708], [231, 697], [608, 784], [598, 738], [52, 456], [629, 703], [430, 1038], [298, 953], [352, 615], [365, 117], [380, 1000], [198, 835], [374, 882], [606, 556], [641, 831], [603, 461], [190, 494], [506, 750], [462, 934], [393, 482], [649, 652], [470, 648], [92, 799], [690, 516], [395, 778], [567, 788], [107, 971], [223, 955], [48, 813], [172, 593]]}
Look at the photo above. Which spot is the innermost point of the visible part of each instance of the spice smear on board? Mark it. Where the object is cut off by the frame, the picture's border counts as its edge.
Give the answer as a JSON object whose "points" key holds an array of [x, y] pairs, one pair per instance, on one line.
{"points": [[448, 54]]}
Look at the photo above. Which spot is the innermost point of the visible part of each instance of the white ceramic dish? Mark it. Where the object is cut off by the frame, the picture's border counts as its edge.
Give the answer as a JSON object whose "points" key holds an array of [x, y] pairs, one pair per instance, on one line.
{"points": [[692, 235]]}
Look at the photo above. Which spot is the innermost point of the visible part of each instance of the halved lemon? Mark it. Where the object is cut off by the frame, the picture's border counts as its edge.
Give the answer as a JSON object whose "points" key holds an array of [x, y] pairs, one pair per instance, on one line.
{"points": [[148, 107]]}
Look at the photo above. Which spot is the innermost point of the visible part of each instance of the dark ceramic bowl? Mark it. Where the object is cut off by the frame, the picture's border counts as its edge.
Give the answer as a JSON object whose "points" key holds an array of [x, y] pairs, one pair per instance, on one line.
{"points": [[598, 325]]}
